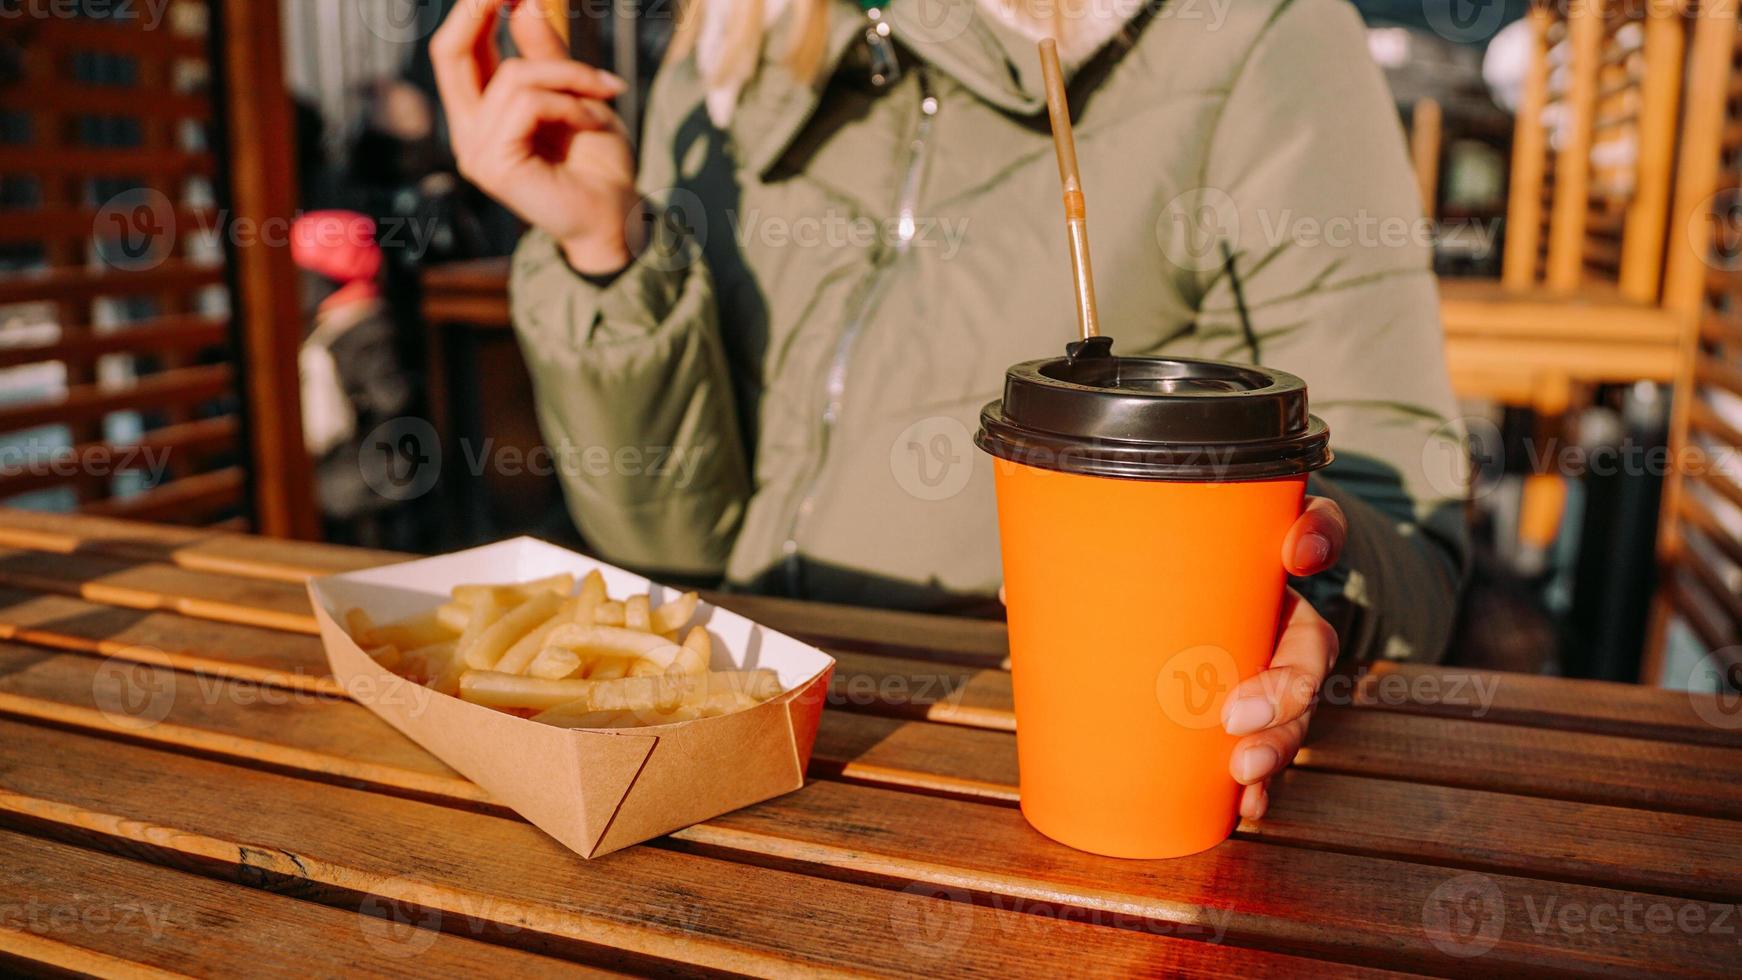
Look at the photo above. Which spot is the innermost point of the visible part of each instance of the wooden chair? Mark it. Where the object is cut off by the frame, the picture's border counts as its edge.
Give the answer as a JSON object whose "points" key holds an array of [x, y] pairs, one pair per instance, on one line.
{"points": [[1700, 526], [111, 176], [1579, 298]]}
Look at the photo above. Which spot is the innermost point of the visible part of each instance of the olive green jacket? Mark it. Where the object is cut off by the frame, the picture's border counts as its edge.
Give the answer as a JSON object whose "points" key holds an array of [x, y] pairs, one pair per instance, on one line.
{"points": [[782, 389]]}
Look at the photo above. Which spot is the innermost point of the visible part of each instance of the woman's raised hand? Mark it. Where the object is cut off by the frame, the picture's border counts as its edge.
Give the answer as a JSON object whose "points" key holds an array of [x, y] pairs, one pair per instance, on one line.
{"points": [[535, 132]]}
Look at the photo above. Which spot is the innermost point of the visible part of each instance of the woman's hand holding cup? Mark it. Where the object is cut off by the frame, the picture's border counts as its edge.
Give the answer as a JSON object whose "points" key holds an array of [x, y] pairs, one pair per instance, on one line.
{"points": [[1272, 709], [536, 132]]}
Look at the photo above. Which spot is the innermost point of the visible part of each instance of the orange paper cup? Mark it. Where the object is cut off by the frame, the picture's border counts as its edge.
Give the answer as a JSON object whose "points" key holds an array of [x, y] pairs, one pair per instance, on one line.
{"points": [[1142, 549]]}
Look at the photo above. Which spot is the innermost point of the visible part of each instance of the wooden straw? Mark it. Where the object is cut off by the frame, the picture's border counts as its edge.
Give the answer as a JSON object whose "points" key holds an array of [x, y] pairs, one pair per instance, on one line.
{"points": [[1076, 220]]}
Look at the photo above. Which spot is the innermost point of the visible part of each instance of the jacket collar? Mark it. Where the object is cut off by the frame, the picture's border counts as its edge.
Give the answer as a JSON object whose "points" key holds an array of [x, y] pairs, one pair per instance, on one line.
{"points": [[966, 39]]}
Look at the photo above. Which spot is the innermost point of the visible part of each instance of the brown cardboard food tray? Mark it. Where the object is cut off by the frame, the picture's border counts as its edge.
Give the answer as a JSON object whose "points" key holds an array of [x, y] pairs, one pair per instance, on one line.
{"points": [[594, 790]]}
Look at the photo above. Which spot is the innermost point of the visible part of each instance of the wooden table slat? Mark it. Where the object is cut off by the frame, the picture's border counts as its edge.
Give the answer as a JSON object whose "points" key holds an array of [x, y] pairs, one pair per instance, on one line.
{"points": [[1615, 709], [211, 740], [328, 843], [334, 739], [1531, 761], [151, 585], [86, 911]]}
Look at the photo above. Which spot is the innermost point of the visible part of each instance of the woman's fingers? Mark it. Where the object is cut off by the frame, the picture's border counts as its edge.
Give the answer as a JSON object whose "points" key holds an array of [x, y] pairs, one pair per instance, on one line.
{"points": [[1254, 800], [1305, 651], [463, 54], [1315, 541], [1261, 756], [517, 74], [517, 128], [533, 33]]}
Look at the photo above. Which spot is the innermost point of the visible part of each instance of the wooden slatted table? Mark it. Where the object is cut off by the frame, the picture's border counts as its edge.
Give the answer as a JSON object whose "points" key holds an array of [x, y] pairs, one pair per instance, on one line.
{"points": [[183, 790]]}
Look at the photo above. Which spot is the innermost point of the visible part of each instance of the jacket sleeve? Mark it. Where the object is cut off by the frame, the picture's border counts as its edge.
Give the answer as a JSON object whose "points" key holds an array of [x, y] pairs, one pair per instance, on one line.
{"points": [[1307, 184], [633, 393]]}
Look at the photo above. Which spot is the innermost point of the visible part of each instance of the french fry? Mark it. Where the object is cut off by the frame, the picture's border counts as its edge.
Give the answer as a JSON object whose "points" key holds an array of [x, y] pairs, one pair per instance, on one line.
{"points": [[554, 663], [526, 649], [588, 599], [691, 658], [560, 585], [606, 668], [359, 625], [612, 641], [446, 680], [587, 661], [388, 655], [454, 615], [672, 616], [416, 631], [725, 702], [495, 640], [427, 662], [498, 690], [636, 615], [663, 692], [483, 610]]}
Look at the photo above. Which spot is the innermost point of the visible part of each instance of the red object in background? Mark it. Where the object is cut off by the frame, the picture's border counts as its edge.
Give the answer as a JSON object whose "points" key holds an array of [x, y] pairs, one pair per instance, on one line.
{"points": [[337, 244]]}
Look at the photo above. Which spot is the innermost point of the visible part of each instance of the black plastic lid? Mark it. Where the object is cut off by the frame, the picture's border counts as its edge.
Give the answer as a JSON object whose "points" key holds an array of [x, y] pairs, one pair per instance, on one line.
{"points": [[1154, 418]]}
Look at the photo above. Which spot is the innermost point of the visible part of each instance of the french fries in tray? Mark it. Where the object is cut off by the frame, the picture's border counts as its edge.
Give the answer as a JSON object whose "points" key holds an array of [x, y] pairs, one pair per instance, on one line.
{"points": [[566, 656]]}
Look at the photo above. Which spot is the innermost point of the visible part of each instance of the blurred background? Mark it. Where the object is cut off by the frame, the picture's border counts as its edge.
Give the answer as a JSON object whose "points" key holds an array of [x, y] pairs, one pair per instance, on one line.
{"points": [[241, 285]]}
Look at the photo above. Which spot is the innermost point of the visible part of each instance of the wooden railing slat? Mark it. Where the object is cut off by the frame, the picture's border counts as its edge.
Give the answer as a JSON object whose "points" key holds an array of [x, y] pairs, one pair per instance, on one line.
{"points": [[156, 447], [88, 402], [186, 499], [184, 333], [104, 162], [79, 223], [68, 34], [108, 100], [80, 283]]}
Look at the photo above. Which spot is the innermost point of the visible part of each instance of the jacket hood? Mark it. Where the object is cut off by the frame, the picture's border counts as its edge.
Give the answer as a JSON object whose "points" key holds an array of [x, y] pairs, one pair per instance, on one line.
{"points": [[979, 43]]}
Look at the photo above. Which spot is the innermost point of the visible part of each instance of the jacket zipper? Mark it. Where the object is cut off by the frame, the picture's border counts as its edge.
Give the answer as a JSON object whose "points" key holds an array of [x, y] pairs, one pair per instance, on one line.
{"points": [[835, 383]]}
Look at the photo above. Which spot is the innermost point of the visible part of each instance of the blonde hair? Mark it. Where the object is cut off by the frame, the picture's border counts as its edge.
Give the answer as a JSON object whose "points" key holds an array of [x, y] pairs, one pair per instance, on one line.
{"points": [[809, 35], [742, 44]]}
